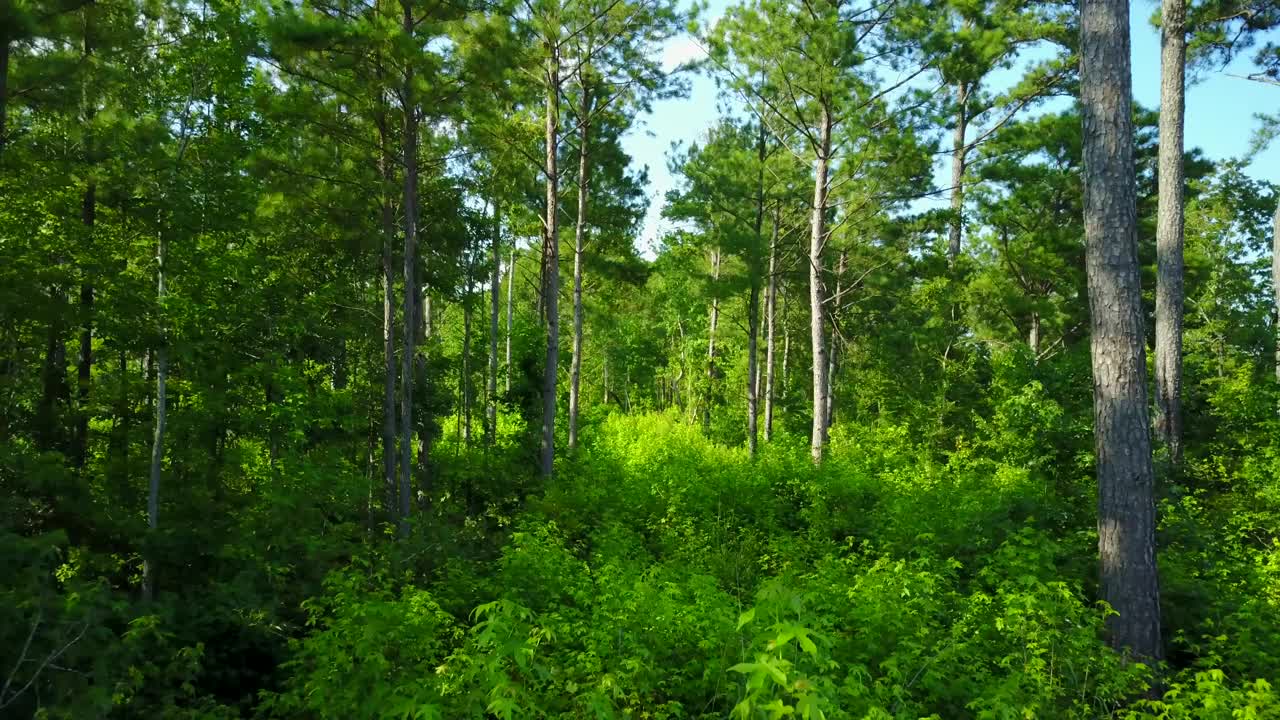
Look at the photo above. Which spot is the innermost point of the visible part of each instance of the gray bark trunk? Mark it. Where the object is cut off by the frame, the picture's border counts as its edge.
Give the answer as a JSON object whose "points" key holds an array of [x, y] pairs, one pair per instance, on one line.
{"points": [[770, 309], [511, 286], [753, 305], [713, 324], [833, 353], [1169, 229], [817, 239], [959, 157], [84, 363], [410, 148], [1122, 433], [579, 239], [389, 475], [157, 440], [551, 259], [495, 287]]}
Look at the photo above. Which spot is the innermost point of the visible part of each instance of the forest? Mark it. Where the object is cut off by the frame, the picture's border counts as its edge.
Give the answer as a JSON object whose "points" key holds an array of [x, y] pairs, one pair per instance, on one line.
{"points": [[343, 376]]}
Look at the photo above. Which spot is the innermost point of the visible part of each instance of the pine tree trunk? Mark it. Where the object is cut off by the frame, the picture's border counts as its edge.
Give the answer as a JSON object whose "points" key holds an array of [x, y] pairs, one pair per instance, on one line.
{"points": [[389, 488], [770, 310], [817, 239], [1169, 229], [465, 374], [5, 47], [579, 239], [551, 259], [511, 286], [161, 418], [1275, 282], [713, 324], [84, 363], [495, 287], [833, 362], [410, 161], [753, 304], [1122, 435], [1033, 338], [959, 162]]}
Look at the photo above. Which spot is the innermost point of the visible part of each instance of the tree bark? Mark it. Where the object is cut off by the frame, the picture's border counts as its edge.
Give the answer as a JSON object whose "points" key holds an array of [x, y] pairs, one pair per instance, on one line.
{"points": [[551, 258], [770, 309], [817, 239], [1169, 228], [161, 418], [84, 363], [833, 363], [713, 324], [1122, 434], [5, 47], [959, 158], [410, 160], [389, 475], [495, 287], [579, 240], [1275, 281], [511, 286], [753, 303]]}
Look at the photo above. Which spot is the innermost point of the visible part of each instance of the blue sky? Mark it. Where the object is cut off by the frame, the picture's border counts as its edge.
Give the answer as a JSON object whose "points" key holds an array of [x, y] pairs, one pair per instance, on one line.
{"points": [[1220, 113]]}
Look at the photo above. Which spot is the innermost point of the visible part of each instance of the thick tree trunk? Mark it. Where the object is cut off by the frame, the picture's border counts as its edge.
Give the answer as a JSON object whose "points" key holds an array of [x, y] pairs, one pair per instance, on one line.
{"points": [[833, 353], [579, 240], [1169, 229], [712, 326], [551, 260], [410, 160], [770, 309], [511, 286], [1033, 337], [959, 157], [817, 239], [161, 418], [495, 287], [1122, 433]]}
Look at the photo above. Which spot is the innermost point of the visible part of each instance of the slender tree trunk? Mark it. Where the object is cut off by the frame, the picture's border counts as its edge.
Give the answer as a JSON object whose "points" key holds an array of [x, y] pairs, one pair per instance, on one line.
{"points": [[161, 418], [495, 287], [4, 92], [84, 364], [786, 349], [833, 361], [1033, 338], [1169, 228], [1275, 281], [959, 163], [511, 286], [389, 487], [465, 375], [1122, 433], [551, 258], [770, 310], [713, 325], [817, 239], [579, 240], [753, 303], [410, 159]]}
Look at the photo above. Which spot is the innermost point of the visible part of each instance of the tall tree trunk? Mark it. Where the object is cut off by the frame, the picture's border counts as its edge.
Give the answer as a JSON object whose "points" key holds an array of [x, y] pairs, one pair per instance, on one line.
{"points": [[161, 418], [5, 47], [495, 287], [1033, 337], [753, 303], [817, 239], [959, 162], [84, 363], [511, 286], [551, 258], [786, 349], [713, 325], [770, 310], [1122, 433], [410, 159], [833, 354], [1275, 281], [579, 240], [465, 375], [389, 488], [1169, 228]]}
